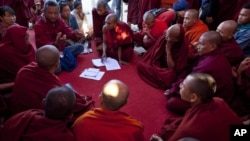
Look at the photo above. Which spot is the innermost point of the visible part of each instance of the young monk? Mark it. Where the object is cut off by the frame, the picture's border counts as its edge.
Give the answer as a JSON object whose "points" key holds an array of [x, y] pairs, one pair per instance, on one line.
{"points": [[164, 61], [229, 47], [103, 120], [49, 124], [117, 40], [209, 118], [209, 60], [34, 80]]}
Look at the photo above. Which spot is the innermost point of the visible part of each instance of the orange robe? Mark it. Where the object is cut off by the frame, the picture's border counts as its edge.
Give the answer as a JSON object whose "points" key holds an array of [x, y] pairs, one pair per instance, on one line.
{"points": [[33, 125], [104, 125], [193, 34]]}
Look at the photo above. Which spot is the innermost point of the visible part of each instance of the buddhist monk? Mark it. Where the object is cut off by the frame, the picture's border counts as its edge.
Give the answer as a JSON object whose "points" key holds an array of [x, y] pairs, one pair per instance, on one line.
{"points": [[117, 40], [242, 36], [99, 14], [164, 61], [229, 47], [98, 124], [193, 29], [209, 60], [153, 29], [48, 124], [133, 9], [34, 80], [209, 118], [16, 52]]}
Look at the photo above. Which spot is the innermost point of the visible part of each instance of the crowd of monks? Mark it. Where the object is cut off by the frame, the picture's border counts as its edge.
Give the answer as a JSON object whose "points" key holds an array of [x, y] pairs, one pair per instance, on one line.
{"points": [[197, 51]]}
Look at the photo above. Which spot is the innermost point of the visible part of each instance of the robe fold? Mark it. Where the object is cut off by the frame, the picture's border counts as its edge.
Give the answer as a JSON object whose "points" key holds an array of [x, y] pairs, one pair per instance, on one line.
{"points": [[31, 86], [215, 64], [32, 125], [207, 122], [46, 32], [133, 10], [153, 67], [232, 51], [120, 36], [156, 31], [15, 53], [193, 34], [168, 17], [98, 23], [100, 124]]}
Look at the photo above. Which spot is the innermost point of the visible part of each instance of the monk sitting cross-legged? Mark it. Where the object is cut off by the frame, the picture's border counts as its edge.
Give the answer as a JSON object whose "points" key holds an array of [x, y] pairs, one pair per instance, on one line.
{"points": [[107, 123], [49, 124]]}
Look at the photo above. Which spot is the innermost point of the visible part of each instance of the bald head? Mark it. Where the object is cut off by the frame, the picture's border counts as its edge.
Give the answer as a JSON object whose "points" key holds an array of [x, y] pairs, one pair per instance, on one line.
{"points": [[190, 18], [203, 85], [101, 4], [227, 29], [149, 18], [47, 56], [114, 95], [173, 33], [212, 37], [112, 18]]}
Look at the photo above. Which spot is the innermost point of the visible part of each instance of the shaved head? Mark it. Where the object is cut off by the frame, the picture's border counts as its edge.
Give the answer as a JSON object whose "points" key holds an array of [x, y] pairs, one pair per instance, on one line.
{"points": [[114, 95], [149, 18], [212, 37], [47, 56], [190, 18], [173, 33], [193, 12], [101, 4], [112, 18], [227, 29]]}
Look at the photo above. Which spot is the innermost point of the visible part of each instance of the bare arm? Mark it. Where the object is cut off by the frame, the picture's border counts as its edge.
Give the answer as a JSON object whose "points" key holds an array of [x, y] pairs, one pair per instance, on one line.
{"points": [[170, 60], [5, 86]]}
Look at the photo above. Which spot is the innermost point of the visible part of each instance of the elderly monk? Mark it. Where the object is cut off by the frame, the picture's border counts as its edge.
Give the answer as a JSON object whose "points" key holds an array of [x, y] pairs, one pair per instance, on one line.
{"points": [[16, 52], [242, 36], [209, 60], [193, 29], [34, 80], [153, 29], [209, 118], [229, 47], [164, 61], [117, 40], [49, 124], [98, 124], [99, 14]]}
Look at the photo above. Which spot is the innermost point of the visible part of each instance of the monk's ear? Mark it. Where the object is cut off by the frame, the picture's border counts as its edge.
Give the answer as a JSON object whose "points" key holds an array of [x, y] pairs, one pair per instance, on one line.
{"points": [[43, 102], [194, 98]]}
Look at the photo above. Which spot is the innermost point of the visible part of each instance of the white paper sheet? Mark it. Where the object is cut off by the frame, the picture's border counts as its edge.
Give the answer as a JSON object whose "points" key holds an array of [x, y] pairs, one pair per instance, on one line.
{"points": [[97, 62], [92, 73], [111, 64]]}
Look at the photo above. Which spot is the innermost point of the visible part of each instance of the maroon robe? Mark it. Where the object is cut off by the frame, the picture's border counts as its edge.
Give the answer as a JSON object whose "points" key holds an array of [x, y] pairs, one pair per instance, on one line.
{"points": [[46, 32], [207, 122], [153, 67], [15, 53], [232, 51], [133, 10], [215, 64], [31, 86], [120, 36], [33, 125], [194, 4], [98, 23]]}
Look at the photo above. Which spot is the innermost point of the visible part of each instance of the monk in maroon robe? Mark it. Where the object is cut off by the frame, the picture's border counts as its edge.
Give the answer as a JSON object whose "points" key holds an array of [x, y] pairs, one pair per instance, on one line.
{"points": [[108, 122], [117, 40], [16, 52], [208, 119], [229, 47], [209, 60], [99, 14], [164, 61], [49, 124], [34, 80], [153, 29], [133, 9]]}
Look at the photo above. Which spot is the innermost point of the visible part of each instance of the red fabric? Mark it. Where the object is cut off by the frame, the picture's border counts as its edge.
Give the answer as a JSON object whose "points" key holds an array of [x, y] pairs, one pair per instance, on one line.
{"points": [[193, 34], [133, 9], [168, 17], [32, 125], [46, 32], [15, 53], [215, 64], [99, 124], [153, 66], [121, 36], [232, 51], [207, 122], [22, 10], [31, 86], [155, 31]]}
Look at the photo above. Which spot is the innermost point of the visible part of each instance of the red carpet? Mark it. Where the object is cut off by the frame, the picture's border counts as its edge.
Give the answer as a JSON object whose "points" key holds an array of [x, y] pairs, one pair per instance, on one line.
{"points": [[145, 103]]}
